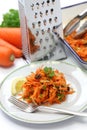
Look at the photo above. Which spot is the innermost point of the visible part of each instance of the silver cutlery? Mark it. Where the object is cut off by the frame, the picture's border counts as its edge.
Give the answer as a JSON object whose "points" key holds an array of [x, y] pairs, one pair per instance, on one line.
{"points": [[74, 23], [32, 108]]}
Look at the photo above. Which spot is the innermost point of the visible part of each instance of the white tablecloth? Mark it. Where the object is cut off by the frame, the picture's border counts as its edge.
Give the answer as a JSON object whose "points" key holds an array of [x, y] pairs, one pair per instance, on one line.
{"points": [[12, 124]]}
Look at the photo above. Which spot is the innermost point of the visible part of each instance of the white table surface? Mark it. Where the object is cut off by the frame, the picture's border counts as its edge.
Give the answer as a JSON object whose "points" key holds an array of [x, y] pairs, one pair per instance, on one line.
{"points": [[12, 124]]}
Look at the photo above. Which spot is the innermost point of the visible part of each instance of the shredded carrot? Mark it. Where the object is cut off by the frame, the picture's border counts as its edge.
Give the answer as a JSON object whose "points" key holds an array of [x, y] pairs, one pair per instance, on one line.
{"points": [[45, 85], [79, 45]]}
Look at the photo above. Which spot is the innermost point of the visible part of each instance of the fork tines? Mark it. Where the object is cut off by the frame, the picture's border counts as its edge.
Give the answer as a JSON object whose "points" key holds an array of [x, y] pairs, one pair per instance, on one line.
{"points": [[18, 103]]}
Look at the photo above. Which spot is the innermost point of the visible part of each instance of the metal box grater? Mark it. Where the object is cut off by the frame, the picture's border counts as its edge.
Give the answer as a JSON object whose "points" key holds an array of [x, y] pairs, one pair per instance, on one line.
{"points": [[40, 21]]}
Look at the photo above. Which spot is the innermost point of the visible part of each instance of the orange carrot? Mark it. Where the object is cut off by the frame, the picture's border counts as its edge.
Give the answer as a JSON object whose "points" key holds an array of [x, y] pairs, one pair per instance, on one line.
{"points": [[6, 57], [12, 35], [17, 52]]}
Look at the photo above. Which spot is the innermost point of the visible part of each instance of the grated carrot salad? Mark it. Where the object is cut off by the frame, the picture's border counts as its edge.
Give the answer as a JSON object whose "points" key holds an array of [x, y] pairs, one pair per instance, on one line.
{"points": [[46, 86]]}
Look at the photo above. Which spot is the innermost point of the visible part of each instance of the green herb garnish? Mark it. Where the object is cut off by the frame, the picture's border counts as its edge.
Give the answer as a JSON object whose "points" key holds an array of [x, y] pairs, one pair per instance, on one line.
{"points": [[60, 96], [41, 95], [11, 19], [44, 87], [49, 72]]}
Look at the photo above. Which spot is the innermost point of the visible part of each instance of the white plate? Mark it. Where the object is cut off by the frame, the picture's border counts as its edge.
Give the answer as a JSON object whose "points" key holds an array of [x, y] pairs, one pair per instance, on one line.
{"points": [[76, 101]]}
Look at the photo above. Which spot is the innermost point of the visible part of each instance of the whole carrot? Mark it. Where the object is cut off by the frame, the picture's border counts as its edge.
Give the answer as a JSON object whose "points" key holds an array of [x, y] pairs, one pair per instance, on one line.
{"points": [[6, 57], [12, 35], [17, 52]]}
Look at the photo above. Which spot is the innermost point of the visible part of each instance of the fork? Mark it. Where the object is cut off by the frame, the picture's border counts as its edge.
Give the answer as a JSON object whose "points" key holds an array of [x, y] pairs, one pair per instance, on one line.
{"points": [[33, 107]]}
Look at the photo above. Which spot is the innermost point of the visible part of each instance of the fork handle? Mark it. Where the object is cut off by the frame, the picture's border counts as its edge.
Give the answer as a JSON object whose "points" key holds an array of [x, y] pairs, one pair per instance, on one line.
{"points": [[63, 111]]}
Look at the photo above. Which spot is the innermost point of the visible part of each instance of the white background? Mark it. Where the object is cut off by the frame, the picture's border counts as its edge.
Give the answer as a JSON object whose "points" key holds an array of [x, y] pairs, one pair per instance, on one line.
{"points": [[5, 5], [8, 123]]}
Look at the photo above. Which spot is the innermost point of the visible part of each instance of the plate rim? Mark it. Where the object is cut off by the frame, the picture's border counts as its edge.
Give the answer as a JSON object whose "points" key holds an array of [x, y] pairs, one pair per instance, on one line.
{"points": [[38, 122]]}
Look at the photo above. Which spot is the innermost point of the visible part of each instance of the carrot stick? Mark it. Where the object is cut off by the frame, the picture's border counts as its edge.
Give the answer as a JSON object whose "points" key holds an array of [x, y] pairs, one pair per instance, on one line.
{"points": [[6, 57], [12, 35], [17, 52]]}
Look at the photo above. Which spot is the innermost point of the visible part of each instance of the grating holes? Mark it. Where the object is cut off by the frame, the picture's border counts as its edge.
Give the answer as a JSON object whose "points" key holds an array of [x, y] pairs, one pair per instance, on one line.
{"points": [[41, 14], [46, 39], [44, 22], [60, 51], [35, 15], [54, 29], [45, 57], [55, 19], [41, 41], [37, 5], [52, 54], [50, 46], [39, 23], [42, 32], [46, 12], [48, 2], [44, 47], [43, 3], [53, 1], [51, 10], [48, 30], [37, 33], [32, 6], [56, 44], [33, 25], [50, 20]]}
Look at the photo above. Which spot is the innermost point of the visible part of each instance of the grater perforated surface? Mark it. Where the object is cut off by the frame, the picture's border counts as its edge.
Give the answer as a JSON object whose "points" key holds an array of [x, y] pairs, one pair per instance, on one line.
{"points": [[43, 19]]}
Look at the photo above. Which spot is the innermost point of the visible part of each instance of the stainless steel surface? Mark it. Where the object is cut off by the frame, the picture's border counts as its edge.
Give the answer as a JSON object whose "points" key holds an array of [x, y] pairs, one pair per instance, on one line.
{"points": [[80, 28], [81, 63], [74, 23], [41, 18]]}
